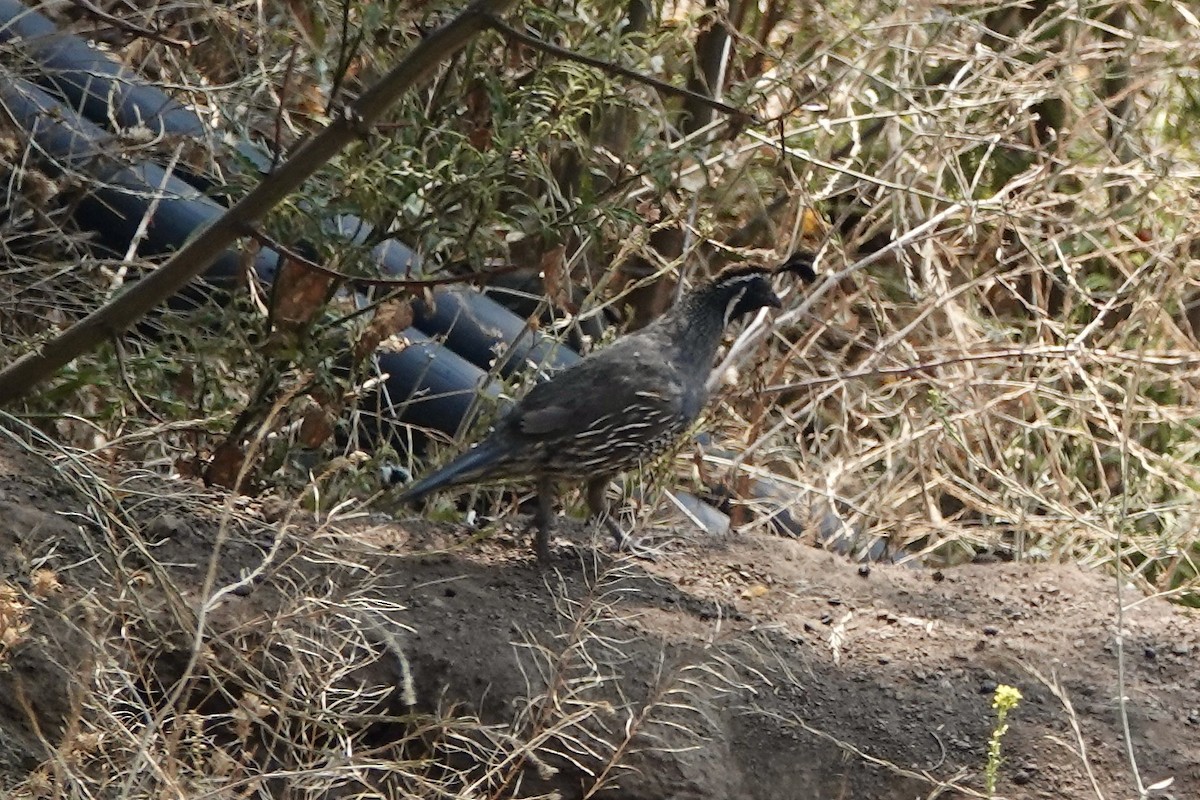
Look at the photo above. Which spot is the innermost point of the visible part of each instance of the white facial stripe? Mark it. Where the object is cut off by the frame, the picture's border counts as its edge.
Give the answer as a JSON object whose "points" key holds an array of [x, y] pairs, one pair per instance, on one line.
{"points": [[732, 304], [734, 280]]}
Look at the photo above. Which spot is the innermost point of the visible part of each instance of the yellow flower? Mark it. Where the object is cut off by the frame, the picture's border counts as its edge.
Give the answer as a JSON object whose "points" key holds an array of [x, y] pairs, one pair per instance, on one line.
{"points": [[1006, 697]]}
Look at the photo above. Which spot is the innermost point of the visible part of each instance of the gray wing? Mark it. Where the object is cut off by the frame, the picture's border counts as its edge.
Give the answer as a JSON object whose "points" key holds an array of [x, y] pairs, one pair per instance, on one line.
{"points": [[623, 385]]}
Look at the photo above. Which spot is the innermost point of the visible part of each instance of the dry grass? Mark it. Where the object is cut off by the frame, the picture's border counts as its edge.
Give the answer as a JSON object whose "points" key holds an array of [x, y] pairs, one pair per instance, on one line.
{"points": [[178, 688], [1016, 369]]}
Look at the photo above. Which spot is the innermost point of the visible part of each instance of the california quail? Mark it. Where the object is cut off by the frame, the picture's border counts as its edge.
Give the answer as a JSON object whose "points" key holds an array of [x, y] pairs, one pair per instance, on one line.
{"points": [[616, 409]]}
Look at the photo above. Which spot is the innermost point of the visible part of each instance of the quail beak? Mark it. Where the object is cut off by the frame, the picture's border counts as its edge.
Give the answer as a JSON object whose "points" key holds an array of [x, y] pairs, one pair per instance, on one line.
{"points": [[774, 301]]}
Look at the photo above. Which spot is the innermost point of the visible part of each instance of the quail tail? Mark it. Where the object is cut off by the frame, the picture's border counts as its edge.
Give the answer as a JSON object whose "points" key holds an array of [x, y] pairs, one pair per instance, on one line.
{"points": [[470, 467]]}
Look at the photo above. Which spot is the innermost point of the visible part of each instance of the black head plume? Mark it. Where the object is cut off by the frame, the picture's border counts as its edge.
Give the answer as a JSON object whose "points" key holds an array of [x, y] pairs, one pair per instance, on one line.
{"points": [[799, 263]]}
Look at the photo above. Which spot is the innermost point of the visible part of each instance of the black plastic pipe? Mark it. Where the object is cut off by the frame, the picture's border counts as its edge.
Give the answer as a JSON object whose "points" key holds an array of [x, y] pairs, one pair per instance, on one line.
{"points": [[99, 87], [427, 385], [120, 194], [471, 324]]}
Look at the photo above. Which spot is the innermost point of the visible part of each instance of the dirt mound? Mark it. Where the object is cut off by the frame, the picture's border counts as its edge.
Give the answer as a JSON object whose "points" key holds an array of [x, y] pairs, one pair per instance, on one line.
{"points": [[356, 658]]}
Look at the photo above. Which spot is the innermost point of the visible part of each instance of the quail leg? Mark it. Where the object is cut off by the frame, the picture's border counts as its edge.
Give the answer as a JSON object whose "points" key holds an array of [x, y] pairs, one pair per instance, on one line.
{"points": [[601, 511], [542, 519]]}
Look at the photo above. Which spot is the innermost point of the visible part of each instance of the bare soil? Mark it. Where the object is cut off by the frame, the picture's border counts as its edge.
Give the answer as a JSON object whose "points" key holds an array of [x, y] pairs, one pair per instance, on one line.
{"points": [[749, 666]]}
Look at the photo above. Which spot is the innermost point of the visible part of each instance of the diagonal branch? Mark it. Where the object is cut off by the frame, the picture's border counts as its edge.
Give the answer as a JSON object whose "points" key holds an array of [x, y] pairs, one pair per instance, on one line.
{"points": [[512, 33], [111, 319]]}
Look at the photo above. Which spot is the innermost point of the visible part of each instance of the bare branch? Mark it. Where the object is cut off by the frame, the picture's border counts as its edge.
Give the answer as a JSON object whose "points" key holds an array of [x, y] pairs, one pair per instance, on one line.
{"points": [[616, 69]]}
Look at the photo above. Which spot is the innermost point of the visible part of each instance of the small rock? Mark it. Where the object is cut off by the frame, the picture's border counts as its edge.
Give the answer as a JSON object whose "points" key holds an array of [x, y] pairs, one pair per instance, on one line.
{"points": [[274, 509], [864, 570], [165, 526], [939, 576], [1149, 653], [987, 686], [990, 630]]}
